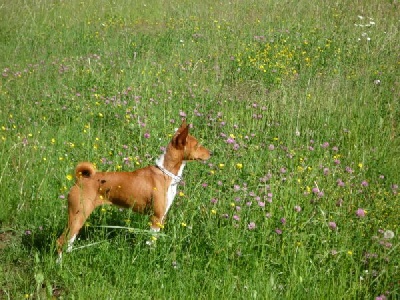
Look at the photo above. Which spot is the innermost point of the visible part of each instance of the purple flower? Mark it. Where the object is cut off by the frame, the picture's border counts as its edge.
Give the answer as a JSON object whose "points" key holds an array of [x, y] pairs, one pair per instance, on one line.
{"points": [[271, 147], [360, 213], [236, 218], [283, 221], [278, 231], [332, 225], [325, 145], [182, 114], [251, 226], [340, 182], [146, 135], [315, 190], [297, 208], [230, 140], [364, 183]]}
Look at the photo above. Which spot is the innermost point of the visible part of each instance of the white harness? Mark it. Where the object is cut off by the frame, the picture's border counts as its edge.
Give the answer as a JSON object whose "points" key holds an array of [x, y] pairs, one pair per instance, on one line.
{"points": [[171, 192]]}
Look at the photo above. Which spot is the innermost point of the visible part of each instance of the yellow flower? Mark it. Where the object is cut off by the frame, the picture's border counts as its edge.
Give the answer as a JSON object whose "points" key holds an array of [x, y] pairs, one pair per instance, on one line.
{"points": [[181, 194], [239, 166], [183, 224], [350, 252], [221, 166], [69, 177], [360, 165], [213, 211]]}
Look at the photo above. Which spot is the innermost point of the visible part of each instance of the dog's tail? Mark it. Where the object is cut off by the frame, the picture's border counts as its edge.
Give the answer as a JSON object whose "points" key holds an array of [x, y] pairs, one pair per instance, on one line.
{"points": [[84, 170]]}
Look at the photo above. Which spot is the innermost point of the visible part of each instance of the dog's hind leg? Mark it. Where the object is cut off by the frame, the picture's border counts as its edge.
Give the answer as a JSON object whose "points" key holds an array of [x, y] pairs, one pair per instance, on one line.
{"points": [[80, 205]]}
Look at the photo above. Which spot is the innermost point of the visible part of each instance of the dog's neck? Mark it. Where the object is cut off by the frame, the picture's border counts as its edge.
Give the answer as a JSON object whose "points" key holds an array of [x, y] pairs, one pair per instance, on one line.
{"points": [[176, 178]]}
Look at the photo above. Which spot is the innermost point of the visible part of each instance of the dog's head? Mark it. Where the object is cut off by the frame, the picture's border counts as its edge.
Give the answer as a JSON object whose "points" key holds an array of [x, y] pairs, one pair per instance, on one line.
{"points": [[192, 150]]}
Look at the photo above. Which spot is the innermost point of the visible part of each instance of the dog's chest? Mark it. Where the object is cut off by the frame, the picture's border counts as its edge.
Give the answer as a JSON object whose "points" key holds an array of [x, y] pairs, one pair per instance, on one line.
{"points": [[171, 192]]}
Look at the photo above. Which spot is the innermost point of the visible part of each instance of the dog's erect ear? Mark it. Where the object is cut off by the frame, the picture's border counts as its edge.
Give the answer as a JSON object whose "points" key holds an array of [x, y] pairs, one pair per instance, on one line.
{"points": [[179, 140]]}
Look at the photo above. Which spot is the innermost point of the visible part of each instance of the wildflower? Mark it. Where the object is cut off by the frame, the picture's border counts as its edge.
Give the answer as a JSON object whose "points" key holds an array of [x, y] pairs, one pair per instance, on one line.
{"points": [[340, 182], [213, 211], [251, 226], [181, 194], [325, 145], [230, 140], [332, 225], [183, 224], [283, 221], [297, 208], [350, 252], [239, 166], [278, 231], [236, 218], [146, 135], [182, 113], [174, 264], [221, 166], [315, 190], [364, 183], [388, 234], [69, 177], [360, 213], [271, 147]]}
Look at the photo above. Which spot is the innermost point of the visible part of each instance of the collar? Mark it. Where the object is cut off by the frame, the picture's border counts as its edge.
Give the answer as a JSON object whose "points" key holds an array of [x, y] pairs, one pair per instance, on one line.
{"points": [[160, 164]]}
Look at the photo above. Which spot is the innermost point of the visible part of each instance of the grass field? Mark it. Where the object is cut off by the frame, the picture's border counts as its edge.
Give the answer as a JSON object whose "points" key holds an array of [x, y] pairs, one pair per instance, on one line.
{"points": [[298, 102]]}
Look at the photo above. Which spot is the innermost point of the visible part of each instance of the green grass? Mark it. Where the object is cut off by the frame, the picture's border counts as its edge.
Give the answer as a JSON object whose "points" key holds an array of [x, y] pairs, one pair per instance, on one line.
{"points": [[298, 102]]}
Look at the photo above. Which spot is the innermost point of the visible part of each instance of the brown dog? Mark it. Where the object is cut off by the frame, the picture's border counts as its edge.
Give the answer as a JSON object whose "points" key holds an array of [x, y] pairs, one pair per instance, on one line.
{"points": [[152, 187]]}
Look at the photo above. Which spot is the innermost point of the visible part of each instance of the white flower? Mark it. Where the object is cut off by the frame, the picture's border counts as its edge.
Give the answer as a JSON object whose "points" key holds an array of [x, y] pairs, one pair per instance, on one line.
{"points": [[388, 234]]}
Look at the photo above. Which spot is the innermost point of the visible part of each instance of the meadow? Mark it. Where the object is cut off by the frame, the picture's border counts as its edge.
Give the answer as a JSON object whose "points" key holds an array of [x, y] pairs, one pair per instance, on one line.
{"points": [[298, 102]]}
